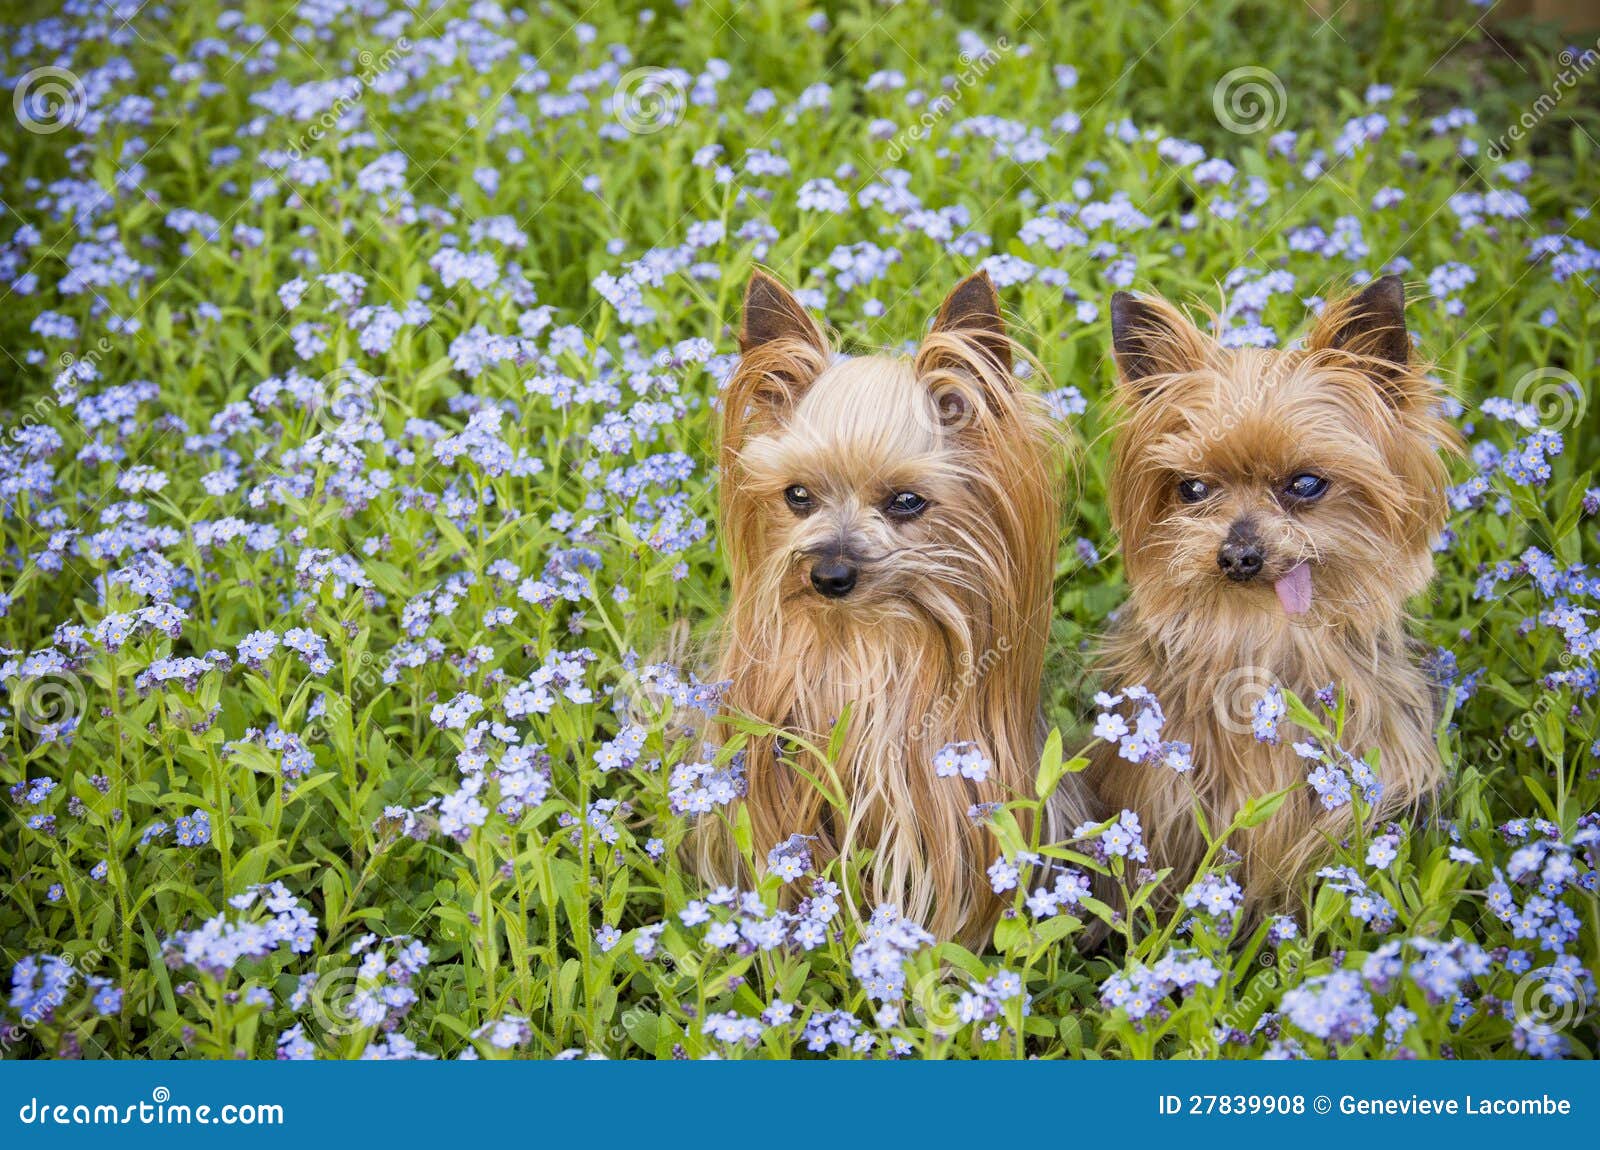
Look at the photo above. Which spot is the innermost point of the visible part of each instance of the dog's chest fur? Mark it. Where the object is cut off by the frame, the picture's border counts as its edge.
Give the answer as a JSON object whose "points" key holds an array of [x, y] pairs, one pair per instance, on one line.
{"points": [[1208, 685], [907, 695]]}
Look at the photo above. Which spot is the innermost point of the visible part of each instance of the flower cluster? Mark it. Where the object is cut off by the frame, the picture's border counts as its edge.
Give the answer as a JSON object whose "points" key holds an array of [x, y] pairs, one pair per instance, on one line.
{"points": [[42, 983], [266, 918], [964, 759], [741, 922], [1143, 991], [1142, 743], [878, 961]]}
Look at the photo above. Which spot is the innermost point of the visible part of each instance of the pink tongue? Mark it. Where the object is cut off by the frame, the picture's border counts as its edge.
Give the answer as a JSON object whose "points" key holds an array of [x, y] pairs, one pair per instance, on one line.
{"points": [[1294, 589]]}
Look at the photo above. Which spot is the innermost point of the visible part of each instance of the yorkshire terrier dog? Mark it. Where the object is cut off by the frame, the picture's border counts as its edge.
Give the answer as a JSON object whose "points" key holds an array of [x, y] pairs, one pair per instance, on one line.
{"points": [[890, 525], [1276, 509]]}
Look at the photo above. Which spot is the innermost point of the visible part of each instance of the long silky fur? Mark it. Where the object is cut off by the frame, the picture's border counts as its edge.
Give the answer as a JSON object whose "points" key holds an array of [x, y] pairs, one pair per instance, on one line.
{"points": [[1207, 651], [955, 653]]}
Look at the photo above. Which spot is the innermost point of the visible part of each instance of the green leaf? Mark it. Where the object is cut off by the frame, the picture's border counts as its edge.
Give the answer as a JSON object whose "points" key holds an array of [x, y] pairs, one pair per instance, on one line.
{"points": [[1258, 810], [1011, 935], [1056, 928], [1302, 716], [1049, 766], [641, 1026], [837, 738]]}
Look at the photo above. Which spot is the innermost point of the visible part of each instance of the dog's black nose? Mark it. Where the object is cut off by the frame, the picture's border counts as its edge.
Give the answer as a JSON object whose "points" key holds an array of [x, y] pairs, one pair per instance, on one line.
{"points": [[834, 578], [1240, 559]]}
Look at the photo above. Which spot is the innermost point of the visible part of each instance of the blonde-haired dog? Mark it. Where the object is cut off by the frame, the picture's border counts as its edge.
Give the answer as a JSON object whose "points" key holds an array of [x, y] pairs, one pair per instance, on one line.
{"points": [[1276, 509], [890, 525]]}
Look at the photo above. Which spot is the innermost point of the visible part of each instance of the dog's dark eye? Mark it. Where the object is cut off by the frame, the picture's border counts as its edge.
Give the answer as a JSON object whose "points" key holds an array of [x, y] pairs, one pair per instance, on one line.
{"points": [[1305, 487], [1193, 490], [798, 498], [905, 505]]}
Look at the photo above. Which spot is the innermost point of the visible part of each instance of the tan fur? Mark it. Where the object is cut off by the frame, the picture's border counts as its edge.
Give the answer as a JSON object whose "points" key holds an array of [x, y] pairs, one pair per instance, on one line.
{"points": [[1245, 421], [942, 639]]}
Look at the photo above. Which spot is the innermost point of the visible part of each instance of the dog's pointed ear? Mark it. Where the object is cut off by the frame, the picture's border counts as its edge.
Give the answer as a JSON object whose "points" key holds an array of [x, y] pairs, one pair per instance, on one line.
{"points": [[783, 351], [1372, 325], [971, 312], [966, 361], [772, 313], [1149, 339]]}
